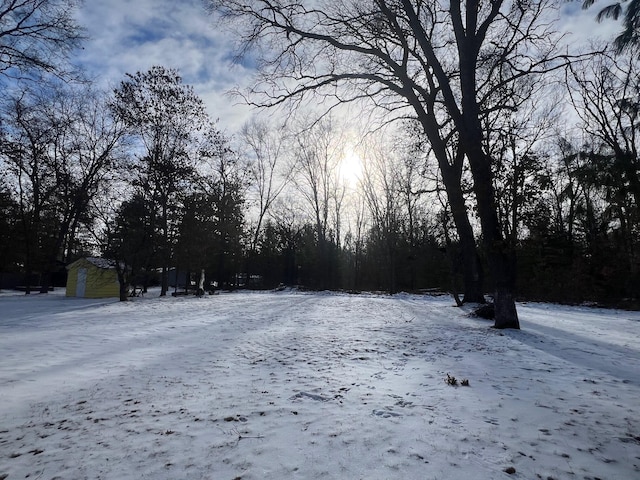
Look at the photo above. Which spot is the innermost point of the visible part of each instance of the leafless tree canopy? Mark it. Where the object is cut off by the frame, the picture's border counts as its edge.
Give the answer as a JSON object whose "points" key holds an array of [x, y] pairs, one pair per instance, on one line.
{"points": [[390, 52], [450, 65], [37, 36]]}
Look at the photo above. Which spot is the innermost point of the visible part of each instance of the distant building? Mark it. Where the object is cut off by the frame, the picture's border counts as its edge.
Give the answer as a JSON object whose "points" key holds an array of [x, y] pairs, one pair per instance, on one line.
{"points": [[92, 278]]}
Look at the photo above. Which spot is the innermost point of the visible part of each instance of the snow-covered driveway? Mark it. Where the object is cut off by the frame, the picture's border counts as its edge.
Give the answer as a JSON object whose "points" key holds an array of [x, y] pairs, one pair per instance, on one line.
{"points": [[310, 386]]}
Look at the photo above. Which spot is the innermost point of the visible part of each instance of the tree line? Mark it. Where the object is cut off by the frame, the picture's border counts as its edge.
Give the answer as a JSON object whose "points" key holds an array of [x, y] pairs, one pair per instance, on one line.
{"points": [[473, 182]]}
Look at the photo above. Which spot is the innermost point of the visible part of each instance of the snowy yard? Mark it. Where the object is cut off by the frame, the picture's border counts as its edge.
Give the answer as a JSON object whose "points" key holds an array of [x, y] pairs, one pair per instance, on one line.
{"points": [[314, 386]]}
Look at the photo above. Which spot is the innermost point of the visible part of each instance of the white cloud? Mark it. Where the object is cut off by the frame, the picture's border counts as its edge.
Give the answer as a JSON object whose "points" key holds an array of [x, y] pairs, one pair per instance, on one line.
{"points": [[132, 35], [582, 28], [127, 36]]}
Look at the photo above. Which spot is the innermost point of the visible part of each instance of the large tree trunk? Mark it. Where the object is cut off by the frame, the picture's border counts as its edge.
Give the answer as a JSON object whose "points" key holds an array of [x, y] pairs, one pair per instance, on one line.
{"points": [[471, 269], [123, 280], [472, 274], [500, 255], [452, 177], [124, 291]]}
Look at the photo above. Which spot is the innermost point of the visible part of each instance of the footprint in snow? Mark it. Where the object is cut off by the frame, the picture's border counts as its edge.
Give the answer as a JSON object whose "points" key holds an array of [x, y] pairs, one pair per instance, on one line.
{"points": [[312, 396], [491, 420], [385, 413]]}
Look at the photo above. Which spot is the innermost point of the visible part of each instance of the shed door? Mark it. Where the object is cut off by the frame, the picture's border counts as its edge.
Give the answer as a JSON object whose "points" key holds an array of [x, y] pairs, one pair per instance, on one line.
{"points": [[82, 282]]}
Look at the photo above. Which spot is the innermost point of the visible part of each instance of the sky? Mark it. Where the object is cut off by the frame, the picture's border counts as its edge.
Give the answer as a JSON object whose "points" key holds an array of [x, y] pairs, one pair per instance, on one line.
{"points": [[127, 36]]}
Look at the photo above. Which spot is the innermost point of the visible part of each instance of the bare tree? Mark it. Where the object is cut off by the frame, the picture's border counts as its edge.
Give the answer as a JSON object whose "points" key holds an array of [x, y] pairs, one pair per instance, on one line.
{"points": [[605, 92], [60, 147], [446, 153], [317, 154], [382, 188], [514, 140], [267, 171], [355, 238], [400, 54], [24, 151], [37, 36]]}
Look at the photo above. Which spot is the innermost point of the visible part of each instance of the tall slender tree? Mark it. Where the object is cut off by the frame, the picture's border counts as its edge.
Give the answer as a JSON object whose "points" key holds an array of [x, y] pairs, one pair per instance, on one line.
{"points": [[222, 183], [165, 115], [268, 172], [317, 153], [382, 190]]}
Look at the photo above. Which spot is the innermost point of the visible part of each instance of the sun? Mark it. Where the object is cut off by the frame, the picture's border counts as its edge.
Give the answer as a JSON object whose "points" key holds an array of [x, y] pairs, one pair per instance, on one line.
{"points": [[351, 167]]}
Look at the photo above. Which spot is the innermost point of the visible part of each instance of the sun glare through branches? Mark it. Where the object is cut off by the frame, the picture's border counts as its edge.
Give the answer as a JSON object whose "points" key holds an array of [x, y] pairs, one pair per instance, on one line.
{"points": [[351, 167]]}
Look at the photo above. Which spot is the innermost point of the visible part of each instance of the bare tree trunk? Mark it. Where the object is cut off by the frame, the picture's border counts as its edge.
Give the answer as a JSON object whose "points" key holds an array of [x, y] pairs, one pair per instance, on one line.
{"points": [[452, 178], [200, 291], [164, 281], [124, 289], [471, 269], [500, 254], [123, 280]]}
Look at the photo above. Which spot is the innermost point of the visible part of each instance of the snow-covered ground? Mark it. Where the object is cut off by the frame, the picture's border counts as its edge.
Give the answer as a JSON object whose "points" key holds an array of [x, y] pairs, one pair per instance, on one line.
{"points": [[314, 386]]}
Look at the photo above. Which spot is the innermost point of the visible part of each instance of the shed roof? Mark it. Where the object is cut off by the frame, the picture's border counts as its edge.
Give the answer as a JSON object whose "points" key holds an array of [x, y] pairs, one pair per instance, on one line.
{"points": [[103, 263]]}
